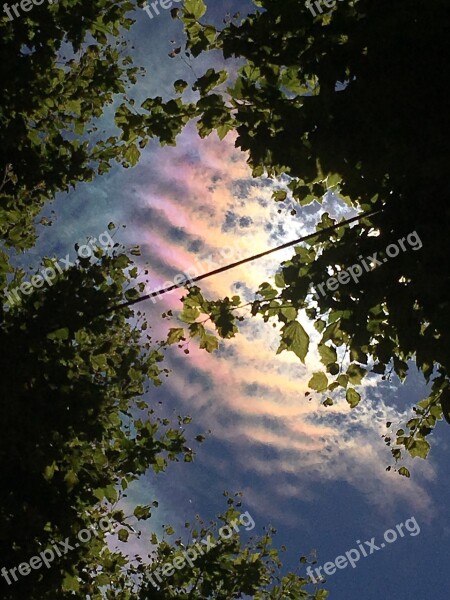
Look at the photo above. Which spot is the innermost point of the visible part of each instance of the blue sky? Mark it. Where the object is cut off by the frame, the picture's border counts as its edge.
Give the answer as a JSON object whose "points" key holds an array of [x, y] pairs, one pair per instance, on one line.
{"points": [[318, 475]]}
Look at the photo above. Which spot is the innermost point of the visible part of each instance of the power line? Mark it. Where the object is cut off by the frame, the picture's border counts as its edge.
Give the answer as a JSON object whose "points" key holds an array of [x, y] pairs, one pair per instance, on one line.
{"points": [[240, 262]]}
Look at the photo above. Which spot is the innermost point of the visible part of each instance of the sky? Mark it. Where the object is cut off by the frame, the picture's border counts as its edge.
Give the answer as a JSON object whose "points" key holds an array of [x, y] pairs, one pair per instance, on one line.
{"points": [[317, 474]]}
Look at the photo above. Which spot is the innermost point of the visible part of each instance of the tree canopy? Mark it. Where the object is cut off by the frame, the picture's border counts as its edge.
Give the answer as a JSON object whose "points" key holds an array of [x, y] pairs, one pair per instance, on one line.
{"points": [[317, 99], [338, 104], [77, 425], [64, 63]]}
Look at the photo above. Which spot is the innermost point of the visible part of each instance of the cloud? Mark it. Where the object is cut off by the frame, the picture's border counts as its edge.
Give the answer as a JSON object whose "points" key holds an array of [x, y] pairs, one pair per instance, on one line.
{"points": [[192, 205]]}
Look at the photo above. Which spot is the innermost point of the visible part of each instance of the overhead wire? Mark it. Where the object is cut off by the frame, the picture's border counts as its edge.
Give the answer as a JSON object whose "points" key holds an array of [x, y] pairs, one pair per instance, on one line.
{"points": [[243, 261]]}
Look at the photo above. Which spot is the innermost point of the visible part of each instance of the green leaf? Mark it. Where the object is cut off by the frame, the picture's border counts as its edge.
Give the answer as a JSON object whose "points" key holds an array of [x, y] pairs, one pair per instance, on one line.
{"points": [[59, 334], [267, 291], [132, 155], [319, 325], [289, 312], [123, 535], [73, 106], [71, 479], [208, 81], [189, 314], [418, 448], [180, 85], [333, 180], [333, 369], [342, 380], [328, 355], [99, 362], [108, 492], [352, 397], [142, 513], [224, 128], [70, 583], [175, 335], [355, 373], [295, 339], [102, 579], [34, 136], [209, 343], [318, 382], [279, 280], [279, 195], [195, 8], [404, 471], [49, 471]]}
